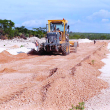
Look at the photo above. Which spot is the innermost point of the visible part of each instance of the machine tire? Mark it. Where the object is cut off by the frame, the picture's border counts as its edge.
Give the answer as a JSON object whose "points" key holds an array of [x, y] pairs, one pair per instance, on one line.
{"points": [[41, 49], [65, 49]]}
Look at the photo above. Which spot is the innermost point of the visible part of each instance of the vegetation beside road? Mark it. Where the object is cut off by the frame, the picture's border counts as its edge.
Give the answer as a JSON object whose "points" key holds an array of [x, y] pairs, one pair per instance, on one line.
{"points": [[8, 30], [91, 36]]}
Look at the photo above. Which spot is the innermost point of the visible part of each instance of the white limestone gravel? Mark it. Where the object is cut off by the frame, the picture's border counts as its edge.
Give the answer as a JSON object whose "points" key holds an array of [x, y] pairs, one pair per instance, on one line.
{"points": [[102, 101], [24, 46], [82, 40], [16, 45]]}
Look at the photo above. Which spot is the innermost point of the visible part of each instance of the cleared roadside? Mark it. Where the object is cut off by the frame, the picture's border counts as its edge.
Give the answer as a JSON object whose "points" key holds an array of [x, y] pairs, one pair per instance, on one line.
{"points": [[102, 100]]}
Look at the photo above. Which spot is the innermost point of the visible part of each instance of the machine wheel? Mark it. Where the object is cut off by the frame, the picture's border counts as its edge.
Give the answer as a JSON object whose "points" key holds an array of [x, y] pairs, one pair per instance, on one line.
{"points": [[65, 49], [41, 49], [47, 49]]}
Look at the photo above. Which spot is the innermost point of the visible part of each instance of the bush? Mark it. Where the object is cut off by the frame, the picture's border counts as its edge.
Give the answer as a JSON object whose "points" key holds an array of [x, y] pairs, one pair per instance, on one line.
{"points": [[93, 62], [78, 107], [27, 35], [20, 34], [21, 46]]}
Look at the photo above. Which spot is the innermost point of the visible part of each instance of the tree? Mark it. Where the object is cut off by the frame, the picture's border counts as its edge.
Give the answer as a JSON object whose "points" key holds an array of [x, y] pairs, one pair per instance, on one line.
{"points": [[103, 37], [6, 26], [82, 37]]}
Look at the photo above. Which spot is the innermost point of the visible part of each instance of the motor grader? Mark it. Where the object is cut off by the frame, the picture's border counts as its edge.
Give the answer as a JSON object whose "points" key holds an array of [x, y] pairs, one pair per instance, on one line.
{"points": [[57, 38]]}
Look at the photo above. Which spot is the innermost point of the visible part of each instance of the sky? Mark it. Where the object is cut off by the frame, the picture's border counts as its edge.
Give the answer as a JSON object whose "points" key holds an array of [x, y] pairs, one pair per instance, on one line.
{"points": [[82, 15]]}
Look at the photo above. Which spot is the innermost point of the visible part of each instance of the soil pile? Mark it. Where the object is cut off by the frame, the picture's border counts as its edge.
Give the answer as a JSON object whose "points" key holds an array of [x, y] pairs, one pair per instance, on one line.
{"points": [[5, 57], [56, 81]]}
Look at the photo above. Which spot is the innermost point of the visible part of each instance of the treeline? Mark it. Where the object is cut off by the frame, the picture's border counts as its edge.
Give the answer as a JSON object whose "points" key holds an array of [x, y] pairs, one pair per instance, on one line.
{"points": [[91, 36], [8, 30]]}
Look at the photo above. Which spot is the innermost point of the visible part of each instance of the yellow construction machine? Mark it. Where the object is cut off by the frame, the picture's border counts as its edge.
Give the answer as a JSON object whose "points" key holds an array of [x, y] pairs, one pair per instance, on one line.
{"points": [[57, 38]]}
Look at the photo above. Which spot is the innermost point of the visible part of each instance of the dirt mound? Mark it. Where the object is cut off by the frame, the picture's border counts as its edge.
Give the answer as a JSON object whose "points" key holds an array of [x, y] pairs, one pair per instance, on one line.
{"points": [[60, 91], [64, 92], [15, 46], [75, 79], [7, 70], [5, 57], [5, 53]]}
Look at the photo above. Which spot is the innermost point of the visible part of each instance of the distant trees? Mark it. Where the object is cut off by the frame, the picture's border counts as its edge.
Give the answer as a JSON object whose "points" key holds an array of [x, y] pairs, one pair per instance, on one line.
{"points": [[103, 37], [91, 36], [40, 32], [8, 29], [6, 24]]}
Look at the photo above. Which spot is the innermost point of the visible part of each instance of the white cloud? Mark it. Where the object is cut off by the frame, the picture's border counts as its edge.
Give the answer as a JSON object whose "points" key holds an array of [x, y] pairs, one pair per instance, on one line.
{"points": [[39, 22], [35, 13], [32, 23], [101, 14], [105, 20]]}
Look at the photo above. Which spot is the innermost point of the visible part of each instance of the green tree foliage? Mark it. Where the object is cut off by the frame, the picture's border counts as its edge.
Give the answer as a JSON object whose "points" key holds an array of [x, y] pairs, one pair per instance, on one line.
{"points": [[91, 36], [16, 32], [40, 32], [22, 29], [103, 37], [7, 28]]}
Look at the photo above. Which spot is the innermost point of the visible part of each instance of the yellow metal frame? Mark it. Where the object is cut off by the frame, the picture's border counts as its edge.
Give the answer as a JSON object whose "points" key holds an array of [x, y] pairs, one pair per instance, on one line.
{"points": [[58, 21], [71, 43]]}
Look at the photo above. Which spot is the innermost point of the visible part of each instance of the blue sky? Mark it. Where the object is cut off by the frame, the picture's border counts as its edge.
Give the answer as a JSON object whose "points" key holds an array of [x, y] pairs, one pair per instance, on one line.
{"points": [[82, 15]]}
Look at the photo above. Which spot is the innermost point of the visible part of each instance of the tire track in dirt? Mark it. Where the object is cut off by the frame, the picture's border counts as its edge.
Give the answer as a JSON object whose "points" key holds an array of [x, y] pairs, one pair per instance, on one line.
{"points": [[73, 69], [50, 72]]}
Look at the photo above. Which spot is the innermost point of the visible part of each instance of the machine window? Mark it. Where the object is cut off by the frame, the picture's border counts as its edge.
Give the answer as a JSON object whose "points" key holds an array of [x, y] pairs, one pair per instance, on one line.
{"points": [[57, 26]]}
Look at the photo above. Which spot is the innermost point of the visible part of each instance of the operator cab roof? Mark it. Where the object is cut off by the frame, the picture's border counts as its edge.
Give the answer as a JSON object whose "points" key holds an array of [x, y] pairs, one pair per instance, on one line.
{"points": [[58, 21]]}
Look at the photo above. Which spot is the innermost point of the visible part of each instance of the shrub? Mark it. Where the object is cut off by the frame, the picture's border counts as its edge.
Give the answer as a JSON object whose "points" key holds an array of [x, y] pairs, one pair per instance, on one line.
{"points": [[93, 62], [20, 34], [21, 46], [78, 107], [27, 35]]}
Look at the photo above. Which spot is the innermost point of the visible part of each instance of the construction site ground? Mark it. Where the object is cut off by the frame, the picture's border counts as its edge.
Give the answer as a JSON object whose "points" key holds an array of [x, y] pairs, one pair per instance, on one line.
{"points": [[51, 82]]}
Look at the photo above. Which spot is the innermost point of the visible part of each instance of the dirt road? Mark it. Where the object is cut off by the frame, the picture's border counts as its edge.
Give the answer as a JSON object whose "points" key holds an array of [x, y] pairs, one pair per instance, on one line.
{"points": [[51, 82]]}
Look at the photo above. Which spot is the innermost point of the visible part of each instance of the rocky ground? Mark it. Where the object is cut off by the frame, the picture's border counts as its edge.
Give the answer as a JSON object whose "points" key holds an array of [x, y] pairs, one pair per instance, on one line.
{"points": [[102, 100], [49, 82]]}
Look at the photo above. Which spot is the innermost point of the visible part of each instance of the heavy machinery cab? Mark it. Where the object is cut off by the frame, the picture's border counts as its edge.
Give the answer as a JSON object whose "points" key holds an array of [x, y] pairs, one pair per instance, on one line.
{"points": [[59, 26], [57, 39]]}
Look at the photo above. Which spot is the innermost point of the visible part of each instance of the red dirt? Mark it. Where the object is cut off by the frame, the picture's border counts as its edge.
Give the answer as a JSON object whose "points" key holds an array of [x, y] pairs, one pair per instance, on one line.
{"points": [[6, 57], [15, 46], [51, 82]]}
